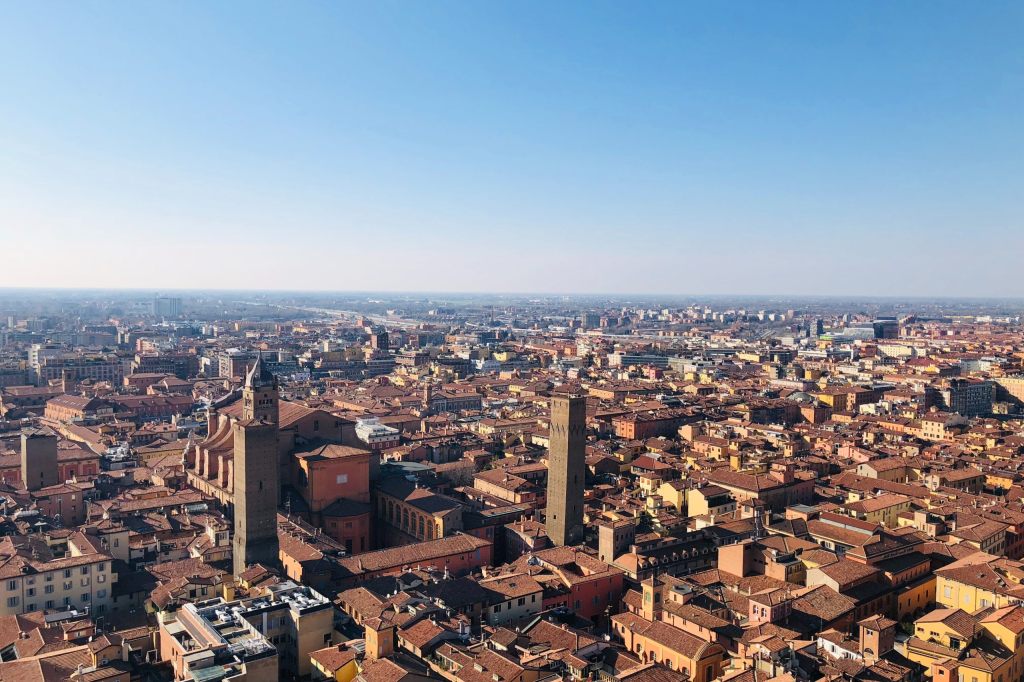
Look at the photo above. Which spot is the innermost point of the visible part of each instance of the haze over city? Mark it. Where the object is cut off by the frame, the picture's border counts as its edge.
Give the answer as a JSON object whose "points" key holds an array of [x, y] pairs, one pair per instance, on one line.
{"points": [[681, 148]]}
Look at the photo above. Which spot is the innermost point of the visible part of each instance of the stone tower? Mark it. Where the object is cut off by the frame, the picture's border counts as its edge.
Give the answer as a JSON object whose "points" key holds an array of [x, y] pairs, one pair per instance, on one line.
{"points": [[651, 606], [39, 458], [566, 470], [614, 538], [256, 472], [259, 397], [877, 637], [428, 397]]}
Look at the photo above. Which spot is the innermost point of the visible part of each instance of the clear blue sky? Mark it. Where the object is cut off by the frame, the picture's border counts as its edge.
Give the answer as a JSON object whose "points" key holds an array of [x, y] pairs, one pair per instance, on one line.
{"points": [[712, 147]]}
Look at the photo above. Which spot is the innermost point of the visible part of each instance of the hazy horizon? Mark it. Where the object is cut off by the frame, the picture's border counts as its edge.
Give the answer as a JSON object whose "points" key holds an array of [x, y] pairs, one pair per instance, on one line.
{"points": [[144, 292]]}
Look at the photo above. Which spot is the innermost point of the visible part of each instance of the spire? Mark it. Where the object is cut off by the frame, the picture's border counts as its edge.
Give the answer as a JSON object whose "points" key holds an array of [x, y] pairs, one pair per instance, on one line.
{"points": [[259, 375], [189, 447], [259, 396]]}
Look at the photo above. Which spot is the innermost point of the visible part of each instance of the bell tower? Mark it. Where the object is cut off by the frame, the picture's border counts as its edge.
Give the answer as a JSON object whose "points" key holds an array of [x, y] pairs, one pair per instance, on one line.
{"points": [[260, 394], [256, 472]]}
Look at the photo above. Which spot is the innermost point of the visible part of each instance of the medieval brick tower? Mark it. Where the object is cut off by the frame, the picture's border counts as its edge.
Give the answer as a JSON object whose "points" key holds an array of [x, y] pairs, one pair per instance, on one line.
{"points": [[566, 470], [39, 458], [256, 472]]}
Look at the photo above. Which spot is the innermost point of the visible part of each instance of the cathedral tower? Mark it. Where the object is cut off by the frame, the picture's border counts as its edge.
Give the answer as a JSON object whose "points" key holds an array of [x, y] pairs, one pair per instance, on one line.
{"points": [[256, 472]]}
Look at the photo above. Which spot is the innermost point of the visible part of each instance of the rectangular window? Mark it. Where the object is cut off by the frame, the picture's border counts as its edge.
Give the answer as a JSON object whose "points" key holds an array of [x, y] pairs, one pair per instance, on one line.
{"points": [[342, 478]]}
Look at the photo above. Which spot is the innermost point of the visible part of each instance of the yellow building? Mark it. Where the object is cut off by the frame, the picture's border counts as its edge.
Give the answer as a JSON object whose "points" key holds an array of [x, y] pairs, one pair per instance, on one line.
{"points": [[915, 597], [334, 662], [1006, 626], [883, 509], [709, 499], [941, 635], [954, 645], [975, 586], [997, 480], [674, 493]]}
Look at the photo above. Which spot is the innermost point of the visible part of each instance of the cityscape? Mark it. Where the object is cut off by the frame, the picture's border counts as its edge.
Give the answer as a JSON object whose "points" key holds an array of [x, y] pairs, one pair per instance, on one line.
{"points": [[448, 341], [257, 486]]}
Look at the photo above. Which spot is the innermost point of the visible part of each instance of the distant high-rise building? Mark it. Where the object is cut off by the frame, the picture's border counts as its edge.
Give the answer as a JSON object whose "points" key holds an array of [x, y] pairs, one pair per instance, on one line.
{"points": [[256, 471], [886, 328], [819, 327], [166, 306], [968, 398], [566, 470], [233, 362], [379, 339]]}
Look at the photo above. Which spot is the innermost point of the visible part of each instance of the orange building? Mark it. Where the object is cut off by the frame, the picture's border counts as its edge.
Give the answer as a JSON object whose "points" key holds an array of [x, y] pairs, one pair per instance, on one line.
{"points": [[334, 482], [77, 408], [457, 554], [576, 580], [659, 642]]}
